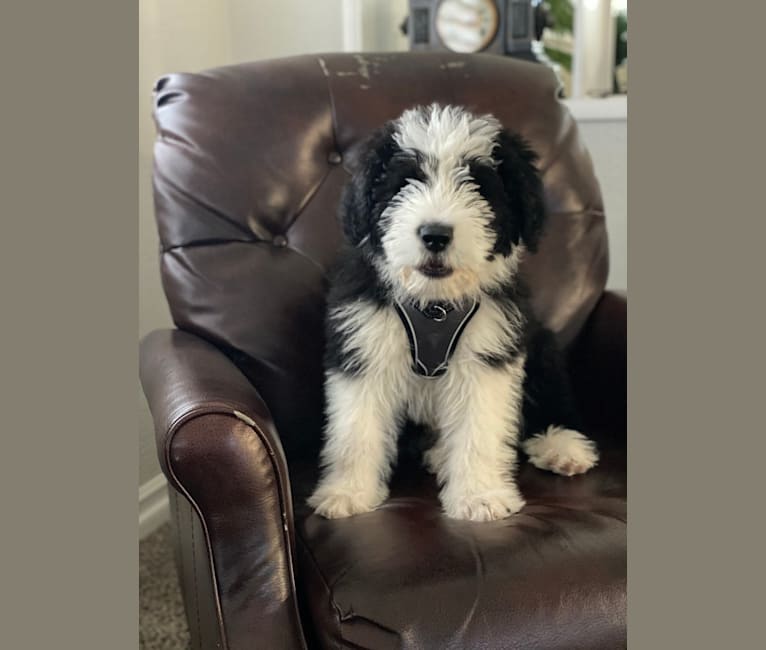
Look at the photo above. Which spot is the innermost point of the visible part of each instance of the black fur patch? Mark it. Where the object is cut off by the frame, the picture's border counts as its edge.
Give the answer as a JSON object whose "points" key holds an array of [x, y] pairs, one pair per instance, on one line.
{"points": [[523, 187], [505, 226], [510, 298], [514, 191], [384, 170], [548, 396], [352, 278]]}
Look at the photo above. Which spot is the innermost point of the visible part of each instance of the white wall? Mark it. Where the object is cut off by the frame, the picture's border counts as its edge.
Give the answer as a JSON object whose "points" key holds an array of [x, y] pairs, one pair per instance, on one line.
{"points": [[265, 29], [380, 25], [607, 142]]}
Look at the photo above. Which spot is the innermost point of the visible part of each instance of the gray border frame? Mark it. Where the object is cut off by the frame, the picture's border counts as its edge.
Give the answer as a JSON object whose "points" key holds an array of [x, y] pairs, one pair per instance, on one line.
{"points": [[69, 276], [69, 354], [695, 569]]}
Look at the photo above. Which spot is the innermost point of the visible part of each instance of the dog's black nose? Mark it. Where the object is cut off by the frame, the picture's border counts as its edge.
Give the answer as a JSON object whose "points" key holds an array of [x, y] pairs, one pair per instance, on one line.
{"points": [[435, 236]]}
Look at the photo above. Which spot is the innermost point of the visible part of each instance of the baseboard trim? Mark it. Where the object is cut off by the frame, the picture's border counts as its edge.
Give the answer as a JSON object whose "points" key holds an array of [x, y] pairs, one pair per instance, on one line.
{"points": [[153, 505]]}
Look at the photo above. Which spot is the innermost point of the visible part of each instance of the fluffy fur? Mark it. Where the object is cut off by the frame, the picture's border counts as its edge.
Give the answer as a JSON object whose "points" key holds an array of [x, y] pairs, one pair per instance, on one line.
{"points": [[445, 166]]}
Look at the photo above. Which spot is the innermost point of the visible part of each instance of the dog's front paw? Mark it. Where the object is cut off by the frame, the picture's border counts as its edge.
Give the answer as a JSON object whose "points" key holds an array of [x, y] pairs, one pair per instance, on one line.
{"points": [[485, 506], [563, 451], [333, 503]]}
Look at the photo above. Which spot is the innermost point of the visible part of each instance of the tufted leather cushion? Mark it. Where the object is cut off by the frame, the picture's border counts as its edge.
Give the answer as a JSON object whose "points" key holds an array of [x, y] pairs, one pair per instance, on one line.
{"points": [[405, 576], [249, 164]]}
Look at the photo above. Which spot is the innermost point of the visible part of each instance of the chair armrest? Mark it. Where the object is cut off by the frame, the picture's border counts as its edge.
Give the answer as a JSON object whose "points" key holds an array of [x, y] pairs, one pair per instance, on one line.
{"points": [[598, 367], [219, 448]]}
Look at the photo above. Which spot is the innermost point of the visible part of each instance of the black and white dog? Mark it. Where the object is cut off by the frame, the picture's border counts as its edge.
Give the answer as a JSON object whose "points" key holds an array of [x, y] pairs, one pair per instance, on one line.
{"points": [[427, 320]]}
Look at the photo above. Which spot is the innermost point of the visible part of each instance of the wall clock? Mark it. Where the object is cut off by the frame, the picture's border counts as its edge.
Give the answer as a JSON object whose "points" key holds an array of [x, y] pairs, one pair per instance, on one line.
{"points": [[494, 26]]}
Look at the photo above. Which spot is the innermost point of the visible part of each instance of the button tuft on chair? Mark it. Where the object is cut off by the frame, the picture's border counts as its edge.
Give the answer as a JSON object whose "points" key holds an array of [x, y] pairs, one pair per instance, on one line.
{"points": [[280, 241], [335, 158]]}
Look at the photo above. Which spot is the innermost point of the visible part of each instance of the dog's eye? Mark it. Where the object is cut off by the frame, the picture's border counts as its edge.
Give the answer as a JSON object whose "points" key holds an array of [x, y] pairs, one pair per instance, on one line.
{"points": [[404, 168], [398, 172]]}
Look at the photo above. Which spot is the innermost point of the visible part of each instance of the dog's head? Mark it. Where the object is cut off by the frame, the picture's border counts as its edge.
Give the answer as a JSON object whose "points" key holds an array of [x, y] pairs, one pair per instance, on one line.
{"points": [[444, 202]]}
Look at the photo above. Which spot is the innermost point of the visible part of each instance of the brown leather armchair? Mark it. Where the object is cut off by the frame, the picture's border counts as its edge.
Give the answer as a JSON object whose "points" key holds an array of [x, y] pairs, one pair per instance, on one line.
{"points": [[249, 164]]}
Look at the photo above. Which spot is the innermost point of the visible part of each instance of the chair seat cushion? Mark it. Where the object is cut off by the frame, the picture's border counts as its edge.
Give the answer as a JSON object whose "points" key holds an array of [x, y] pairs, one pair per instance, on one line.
{"points": [[406, 576]]}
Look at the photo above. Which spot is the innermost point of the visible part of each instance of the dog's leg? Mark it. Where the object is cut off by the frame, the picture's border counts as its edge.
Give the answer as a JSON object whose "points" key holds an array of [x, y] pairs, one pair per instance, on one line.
{"points": [[551, 415], [475, 456], [360, 446]]}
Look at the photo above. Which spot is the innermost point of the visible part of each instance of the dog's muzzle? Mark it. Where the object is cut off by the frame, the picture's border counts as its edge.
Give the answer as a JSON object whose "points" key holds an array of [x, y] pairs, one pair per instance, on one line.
{"points": [[435, 268]]}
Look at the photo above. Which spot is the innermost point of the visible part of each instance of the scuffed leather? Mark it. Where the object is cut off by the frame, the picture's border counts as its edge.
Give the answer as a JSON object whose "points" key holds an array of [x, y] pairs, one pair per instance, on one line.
{"points": [[219, 448], [405, 576]]}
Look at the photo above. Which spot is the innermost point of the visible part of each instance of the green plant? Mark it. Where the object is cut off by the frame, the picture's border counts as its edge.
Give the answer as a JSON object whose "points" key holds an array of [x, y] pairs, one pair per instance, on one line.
{"points": [[562, 12], [562, 58]]}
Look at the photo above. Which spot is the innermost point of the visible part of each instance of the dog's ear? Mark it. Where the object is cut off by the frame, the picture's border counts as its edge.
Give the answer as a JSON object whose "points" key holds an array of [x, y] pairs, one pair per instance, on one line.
{"points": [[358, 205], [516, 165]]}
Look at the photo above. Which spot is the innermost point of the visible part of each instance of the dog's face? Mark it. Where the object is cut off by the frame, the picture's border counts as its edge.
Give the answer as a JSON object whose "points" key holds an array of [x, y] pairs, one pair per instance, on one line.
{"points": [[444, 201]]}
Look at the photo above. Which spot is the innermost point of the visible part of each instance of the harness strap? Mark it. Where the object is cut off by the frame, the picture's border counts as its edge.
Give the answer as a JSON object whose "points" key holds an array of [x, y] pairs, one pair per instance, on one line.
{"points": [[433, 333]]}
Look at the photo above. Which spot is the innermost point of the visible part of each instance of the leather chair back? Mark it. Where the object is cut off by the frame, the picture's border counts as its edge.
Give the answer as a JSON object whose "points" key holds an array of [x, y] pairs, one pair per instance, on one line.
{"points": [[250, 161]]}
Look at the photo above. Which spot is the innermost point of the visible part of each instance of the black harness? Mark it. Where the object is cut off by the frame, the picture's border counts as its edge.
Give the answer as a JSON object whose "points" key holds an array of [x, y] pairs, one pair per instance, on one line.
{"points": [[433, 333]]}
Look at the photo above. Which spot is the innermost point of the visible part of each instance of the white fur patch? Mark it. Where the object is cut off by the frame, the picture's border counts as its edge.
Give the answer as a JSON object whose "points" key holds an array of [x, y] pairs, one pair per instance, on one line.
{"points": [[563, 451], [364, 413], [447, 133], [374, 334], [359, 446], [477, 413]]}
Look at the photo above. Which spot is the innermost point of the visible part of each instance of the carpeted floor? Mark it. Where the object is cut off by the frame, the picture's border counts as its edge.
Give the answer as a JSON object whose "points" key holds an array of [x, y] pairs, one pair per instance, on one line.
{"points": [[162, 625]]}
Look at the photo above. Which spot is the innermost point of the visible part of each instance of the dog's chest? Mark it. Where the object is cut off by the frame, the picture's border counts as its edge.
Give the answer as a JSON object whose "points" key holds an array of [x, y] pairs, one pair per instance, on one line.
{"points": [[433, 333], [379, 338]]}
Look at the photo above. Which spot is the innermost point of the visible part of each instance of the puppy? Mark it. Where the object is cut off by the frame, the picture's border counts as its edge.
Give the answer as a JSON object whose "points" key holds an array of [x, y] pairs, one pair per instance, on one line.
{"points": [[428, 321]]}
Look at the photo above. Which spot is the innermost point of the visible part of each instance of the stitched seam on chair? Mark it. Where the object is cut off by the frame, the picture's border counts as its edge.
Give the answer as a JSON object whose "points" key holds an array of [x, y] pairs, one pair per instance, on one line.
{"points": [[331, 97], [197, 201], [556, 152], [353, 616], [446, 72], [210, 242], [583, 292], [309, 259], [172, 138], [178, 516], [194, 570], [168, 443], [178, 534], [298, 215], [285, 526], [250, 242], [227, 408], [323, 579], [573, 213], [307, 199]]}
